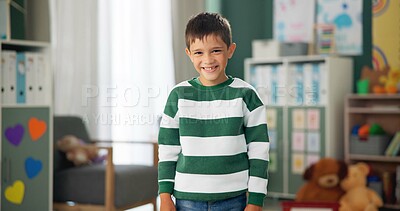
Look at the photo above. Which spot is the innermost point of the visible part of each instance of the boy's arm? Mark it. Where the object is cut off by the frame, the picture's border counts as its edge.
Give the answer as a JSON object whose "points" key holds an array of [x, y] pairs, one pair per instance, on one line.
{"points": [[169, 145], [257, 147]]}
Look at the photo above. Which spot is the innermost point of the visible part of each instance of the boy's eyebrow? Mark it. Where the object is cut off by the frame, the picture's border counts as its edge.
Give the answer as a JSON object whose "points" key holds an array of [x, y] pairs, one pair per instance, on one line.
{"points": [[198, 49], [216, 47]]}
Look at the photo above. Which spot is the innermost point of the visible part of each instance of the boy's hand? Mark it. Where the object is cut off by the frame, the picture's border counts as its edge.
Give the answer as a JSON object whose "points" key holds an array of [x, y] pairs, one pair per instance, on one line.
{"points": [[166, 202], [252, 207]]}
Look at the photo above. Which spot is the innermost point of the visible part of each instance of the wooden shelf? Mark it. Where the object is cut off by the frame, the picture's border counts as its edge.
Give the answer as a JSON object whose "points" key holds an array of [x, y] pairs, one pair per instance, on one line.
{"points": [[372, 110], [25, 105], [381, 109], [374, 96], [374, 158], [38, 44]]}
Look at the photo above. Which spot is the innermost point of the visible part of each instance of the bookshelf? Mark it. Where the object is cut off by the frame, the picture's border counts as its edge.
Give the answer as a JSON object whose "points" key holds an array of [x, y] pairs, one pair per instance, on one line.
{"points": [[383, 109], [26, 107]]}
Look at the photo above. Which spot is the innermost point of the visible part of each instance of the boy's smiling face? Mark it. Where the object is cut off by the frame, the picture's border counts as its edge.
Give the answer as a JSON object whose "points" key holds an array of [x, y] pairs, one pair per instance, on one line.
{"points": [[210, 57]]}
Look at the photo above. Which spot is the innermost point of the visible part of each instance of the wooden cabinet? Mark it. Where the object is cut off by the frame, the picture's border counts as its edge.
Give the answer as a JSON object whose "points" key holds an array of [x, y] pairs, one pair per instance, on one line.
{"points": [[304, 97], [383, 110], [26, 106]]}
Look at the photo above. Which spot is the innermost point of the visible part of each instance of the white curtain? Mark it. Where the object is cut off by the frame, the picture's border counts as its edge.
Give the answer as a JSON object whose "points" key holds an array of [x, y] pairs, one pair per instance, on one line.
{"points": [[114, 67], [74, 55]]}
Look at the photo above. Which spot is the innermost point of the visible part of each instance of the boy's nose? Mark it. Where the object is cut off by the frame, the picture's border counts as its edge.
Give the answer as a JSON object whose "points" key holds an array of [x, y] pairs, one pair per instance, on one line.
{"points": [[208, 59]]}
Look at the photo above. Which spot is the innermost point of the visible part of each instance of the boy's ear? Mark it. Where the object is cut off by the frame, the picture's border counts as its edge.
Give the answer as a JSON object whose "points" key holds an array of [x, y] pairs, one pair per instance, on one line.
{"points": [[188, 54], [231, 50]]}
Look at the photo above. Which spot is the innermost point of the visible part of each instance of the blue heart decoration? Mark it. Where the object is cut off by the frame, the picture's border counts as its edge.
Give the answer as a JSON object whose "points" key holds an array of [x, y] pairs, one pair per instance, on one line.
{"points": [[32, 167], [14, 134]]}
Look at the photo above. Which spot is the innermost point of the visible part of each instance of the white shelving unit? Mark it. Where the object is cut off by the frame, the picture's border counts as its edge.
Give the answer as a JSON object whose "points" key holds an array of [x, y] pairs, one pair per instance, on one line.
{"points": [[27, 127], [304, 96]]}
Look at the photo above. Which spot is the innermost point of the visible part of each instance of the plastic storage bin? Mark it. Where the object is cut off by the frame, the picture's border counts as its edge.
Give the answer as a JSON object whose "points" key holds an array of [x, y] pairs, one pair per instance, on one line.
{"points": [[373, 145], [275, 49]]}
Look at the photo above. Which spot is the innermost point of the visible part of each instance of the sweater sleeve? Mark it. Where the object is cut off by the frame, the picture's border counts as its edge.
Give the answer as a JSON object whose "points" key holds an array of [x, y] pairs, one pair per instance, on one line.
{"points": [[257, 146], [169, 145]]}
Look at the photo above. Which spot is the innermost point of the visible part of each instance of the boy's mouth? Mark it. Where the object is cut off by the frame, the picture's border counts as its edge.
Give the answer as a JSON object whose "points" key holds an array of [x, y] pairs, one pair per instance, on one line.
{"points": [[209, 69]]}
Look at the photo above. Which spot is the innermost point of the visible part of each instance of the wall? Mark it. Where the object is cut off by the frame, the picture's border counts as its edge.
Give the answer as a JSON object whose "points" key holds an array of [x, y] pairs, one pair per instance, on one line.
{"points": [[253, 19]]}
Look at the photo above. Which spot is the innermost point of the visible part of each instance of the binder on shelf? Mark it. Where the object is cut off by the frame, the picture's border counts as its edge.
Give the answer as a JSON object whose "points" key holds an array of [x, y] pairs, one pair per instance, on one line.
{"points": [[8, 76], [30, 72], [311, 92], [320, 69], [42, 90], [21, 78], [296, 84], [277, 84]]}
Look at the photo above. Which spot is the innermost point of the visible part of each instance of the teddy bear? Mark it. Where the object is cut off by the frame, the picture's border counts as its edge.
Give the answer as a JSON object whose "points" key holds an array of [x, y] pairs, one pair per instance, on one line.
{"points": [[358, 196], [77, 151], [323, 181]]}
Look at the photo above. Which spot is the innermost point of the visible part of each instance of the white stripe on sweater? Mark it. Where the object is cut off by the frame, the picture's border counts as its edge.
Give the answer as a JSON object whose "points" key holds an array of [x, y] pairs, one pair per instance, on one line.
{"points": [[213, 146], [258, 185], [256, 117], [168, 152], [198, 183], [216, 109], [258, 150], [169, 122]]}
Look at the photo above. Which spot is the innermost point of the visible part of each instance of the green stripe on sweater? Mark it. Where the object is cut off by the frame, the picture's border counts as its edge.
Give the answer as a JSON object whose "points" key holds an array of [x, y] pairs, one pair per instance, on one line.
{"points": [[212, 164], [227, 93], [211, 128], [169, 136], [206, 196], [256, 134]]}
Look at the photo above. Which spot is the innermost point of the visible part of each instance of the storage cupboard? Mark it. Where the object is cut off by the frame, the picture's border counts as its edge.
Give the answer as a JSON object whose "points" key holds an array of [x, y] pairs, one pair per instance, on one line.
{"points": [[304, 97]]}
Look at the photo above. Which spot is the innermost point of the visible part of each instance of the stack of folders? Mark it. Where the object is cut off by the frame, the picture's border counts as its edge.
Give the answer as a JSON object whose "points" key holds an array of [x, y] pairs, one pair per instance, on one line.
{"points": [[306, 83], [24, 78]]}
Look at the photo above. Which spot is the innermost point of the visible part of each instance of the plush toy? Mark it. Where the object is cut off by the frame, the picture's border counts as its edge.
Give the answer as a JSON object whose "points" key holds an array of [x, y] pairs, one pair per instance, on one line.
{"points": [[358, 196], [77, 151], [323, 181], [391, 82], [373, 77]]}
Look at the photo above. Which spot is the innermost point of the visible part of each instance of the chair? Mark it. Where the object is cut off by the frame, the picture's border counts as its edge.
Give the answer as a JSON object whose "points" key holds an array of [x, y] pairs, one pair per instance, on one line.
{"points": [[107, 186]]}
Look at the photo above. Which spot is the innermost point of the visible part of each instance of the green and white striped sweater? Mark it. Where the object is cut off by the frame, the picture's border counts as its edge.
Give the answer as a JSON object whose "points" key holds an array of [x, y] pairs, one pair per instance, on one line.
{"points": [[213, 142]]}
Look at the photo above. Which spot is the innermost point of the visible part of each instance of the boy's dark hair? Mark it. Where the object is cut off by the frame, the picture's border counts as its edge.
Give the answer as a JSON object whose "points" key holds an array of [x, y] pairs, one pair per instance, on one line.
{"points": [[204, 24]]}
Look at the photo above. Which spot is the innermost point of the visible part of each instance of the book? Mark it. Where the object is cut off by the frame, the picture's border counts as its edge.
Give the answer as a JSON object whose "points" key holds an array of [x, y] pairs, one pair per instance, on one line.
{"points": [[394, 146]]}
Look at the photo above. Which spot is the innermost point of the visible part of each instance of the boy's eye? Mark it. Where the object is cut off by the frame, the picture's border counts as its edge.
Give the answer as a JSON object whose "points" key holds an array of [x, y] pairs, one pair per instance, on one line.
{"points": [[216, 51], [197, 53]]}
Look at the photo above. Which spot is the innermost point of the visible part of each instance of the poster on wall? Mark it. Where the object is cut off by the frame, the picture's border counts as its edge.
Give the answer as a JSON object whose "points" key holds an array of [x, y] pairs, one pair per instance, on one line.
{"points": [[294, 20], [346, 17], [386, 34]]}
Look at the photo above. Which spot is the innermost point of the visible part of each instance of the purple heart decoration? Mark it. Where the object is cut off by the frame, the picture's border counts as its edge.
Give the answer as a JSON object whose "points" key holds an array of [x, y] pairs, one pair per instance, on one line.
{"points": [[32, 167], [14, 134]]}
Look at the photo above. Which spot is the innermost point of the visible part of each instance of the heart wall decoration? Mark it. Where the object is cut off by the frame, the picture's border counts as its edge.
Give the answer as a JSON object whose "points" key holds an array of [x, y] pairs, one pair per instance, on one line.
{"points": [[15, 193], [15, 134], [32, 167], [36, 128]]}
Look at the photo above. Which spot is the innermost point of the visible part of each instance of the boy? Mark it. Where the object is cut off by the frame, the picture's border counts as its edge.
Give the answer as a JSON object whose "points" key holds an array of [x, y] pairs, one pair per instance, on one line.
{"points": [[213, 142]]}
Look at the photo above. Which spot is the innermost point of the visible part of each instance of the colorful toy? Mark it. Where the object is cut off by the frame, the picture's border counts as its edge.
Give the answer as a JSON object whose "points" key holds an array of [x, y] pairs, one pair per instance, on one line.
{"points": [[391, 82], [358, 196], [323, 181], [373, 76], [363, 131]]}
